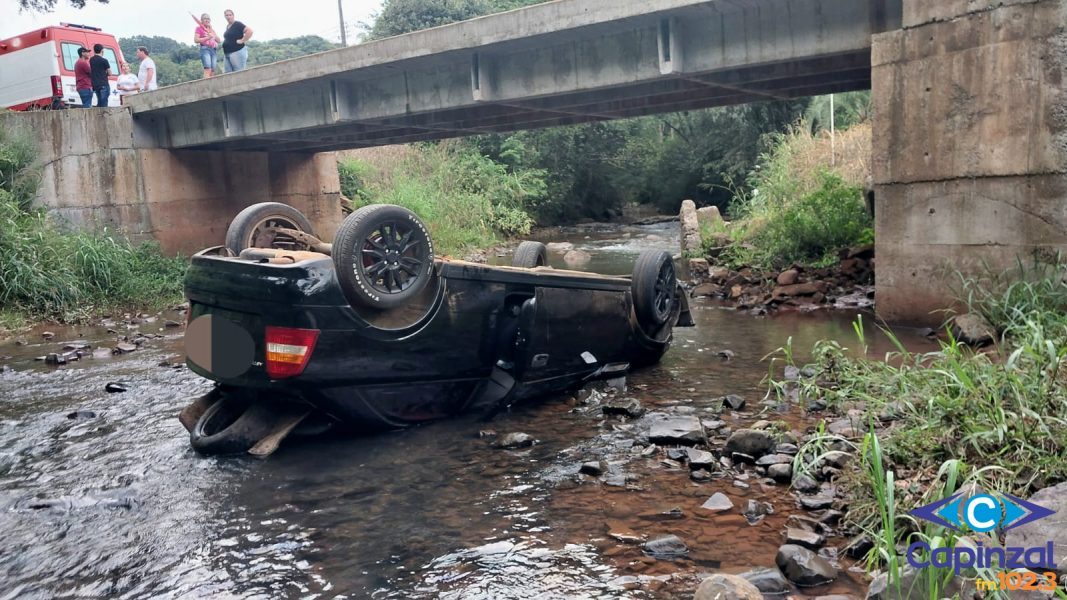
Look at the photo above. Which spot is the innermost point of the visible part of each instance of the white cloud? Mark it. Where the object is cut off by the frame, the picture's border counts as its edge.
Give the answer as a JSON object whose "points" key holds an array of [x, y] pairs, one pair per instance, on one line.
{"points": [[270, 19]]}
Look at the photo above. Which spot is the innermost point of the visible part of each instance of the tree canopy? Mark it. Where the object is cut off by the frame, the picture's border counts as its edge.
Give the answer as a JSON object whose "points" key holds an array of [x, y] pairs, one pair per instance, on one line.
{"points": [[47, 5], [404, 16]]}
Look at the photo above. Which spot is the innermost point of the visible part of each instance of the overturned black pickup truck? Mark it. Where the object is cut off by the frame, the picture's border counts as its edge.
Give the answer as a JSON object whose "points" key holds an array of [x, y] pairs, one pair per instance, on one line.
{"points": [[374, 332]]}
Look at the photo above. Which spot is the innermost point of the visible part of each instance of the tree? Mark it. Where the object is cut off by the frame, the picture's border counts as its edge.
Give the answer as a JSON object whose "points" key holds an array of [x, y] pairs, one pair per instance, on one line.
{"points": [[48, 5], [404, 16]]}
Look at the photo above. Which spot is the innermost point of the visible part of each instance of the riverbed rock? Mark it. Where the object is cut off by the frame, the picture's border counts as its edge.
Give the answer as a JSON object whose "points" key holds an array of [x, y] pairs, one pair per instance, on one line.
{"points": [[102, 353], [55, 358], [691, 242], [116, 387], [596, 468], [781, 473], [47, 335], [629, 407], [719, 502], [836, 459], [786, 448], [803, 537], [710, 216], [705, 290], [700, 459], [972, 329], [803, 567], [774, 459], [755, 511], [751, 442], [680, 431], [559, 247], [514, 440], [788, 277], [577, 257], [733, 401], [859, 546], [698, 267], [769, 581], [846, 428], [805, 483], [799, 289], [817, 502], [124, 348], [727, 587], [718, 274], [1049, 529], [667, 547]]}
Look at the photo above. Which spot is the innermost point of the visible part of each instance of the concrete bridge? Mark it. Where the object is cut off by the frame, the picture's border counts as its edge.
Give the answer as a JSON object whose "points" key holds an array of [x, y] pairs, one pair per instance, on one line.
{"points": [[970, 148]]}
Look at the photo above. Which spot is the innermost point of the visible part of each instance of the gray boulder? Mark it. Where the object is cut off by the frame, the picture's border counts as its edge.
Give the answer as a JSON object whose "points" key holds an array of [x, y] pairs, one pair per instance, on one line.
{"points": [[1050, 529], [666, 547], [750, 442], [769, 581], [682, 431], [727, 587], [803, 567]]}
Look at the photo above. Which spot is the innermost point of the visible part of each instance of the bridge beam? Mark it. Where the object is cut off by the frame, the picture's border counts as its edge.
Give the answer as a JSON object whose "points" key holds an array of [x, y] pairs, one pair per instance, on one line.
{"points": [[970, 146]]}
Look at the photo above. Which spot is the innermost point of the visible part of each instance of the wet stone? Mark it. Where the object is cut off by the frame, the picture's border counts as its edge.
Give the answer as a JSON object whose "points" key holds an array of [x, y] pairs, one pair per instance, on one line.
{"points": [[816, 502], [803, 567], [55, 359], [845, 428], [47, 335], [837, 459], [77, 345], [733, 401], [805, 483], [515, 440], [786, 448], [700, 459], [740, 485], [722, 586], [780, 473], [683, 431], [750, 442], [671, 514], [774, 459], [666, 548], [701, 475], [171, 324], [791, 373], [770, 582], [726, 354], [617, 480], [803, 537], [629, 407], [755, 511], [595, 468], [858, 547], [678, 454], [124, 348], [712, 424], [719, 502], [82, 414], [102, 353], [115, 387]]}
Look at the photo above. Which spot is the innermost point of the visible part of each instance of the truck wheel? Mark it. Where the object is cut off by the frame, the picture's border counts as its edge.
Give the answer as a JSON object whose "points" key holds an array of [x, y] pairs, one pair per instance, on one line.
{"points": [[653, 287], [383, 255], [529, 255], [230, 426], [249, 228]]}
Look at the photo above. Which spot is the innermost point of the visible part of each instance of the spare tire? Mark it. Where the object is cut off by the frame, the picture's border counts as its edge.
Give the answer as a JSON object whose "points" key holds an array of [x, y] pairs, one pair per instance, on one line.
{"points": [[654, 288], [383, 256], [230, 426], [529, 255], [248, 228]]}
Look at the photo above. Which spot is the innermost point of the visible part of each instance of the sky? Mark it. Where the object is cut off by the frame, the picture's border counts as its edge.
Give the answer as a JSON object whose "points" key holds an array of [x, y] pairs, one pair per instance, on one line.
{"points": [[269, 19]]}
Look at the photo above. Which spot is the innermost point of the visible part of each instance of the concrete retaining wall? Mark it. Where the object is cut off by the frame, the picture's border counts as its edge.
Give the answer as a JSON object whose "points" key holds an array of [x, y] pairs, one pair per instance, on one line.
{"points": [[970, 145], [94, 177]]}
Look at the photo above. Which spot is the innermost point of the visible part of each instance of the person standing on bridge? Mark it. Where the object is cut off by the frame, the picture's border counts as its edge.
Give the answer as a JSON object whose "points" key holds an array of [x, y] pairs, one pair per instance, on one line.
{"points": [[83, 77], [127, 83], [233, 43], [100, 73], [209, 44], [146, 73]]}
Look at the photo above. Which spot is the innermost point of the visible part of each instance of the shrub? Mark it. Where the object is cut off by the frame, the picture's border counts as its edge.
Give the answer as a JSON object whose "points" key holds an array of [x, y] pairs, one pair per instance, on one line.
{"points": [[813, 228]]}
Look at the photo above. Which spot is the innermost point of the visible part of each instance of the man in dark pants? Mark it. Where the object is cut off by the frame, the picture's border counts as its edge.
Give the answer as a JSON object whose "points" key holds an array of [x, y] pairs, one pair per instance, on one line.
{"points": [[101, 71], [83, 77]]}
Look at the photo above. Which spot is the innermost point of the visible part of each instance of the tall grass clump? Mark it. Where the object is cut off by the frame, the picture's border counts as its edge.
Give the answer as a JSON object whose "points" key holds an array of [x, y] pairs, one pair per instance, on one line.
{"points": [[953, 419], [48, 271], [467, 200]]}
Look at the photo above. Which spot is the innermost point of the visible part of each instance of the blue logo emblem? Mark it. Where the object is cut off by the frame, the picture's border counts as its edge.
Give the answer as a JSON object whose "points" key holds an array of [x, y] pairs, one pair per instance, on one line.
{"points": [[982, 512]]}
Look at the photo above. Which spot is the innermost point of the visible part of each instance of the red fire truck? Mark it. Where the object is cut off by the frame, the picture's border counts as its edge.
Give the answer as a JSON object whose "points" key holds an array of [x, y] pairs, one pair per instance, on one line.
{"points": [[37, 68]]}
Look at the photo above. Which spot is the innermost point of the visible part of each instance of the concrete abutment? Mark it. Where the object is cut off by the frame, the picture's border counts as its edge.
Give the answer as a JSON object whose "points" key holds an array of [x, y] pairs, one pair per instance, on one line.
{"points": [[93, 176], [970, 146]]}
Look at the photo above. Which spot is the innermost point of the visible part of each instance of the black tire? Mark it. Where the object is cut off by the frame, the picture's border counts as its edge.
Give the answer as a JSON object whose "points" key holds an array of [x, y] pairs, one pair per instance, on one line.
{"points": [[654, 288], [230, 426], [383, 255], [246, 229], [529, 255]]}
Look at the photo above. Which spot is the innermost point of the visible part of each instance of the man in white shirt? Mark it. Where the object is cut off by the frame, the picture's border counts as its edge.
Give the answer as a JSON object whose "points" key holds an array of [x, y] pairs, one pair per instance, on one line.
{"points": [[146, 74]]}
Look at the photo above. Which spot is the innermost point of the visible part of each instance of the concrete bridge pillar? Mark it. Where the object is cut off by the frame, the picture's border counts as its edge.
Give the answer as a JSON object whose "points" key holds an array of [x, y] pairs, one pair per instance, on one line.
{"points": [[93, 176], [970, 145]]}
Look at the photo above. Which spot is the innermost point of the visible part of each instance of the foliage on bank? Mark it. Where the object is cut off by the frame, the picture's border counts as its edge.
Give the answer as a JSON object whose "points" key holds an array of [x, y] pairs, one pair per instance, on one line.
{"points": [[803, 203], [50, 272], [467, 200], [955, 418]]}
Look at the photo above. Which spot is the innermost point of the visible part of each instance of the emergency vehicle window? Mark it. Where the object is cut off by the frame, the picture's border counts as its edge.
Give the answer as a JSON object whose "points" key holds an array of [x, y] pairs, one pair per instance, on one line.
{"points": [[70, 55], [109, 54]]}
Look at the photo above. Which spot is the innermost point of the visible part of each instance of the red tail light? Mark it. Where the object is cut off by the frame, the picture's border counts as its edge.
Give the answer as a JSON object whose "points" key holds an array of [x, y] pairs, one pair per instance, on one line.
{"points": [[288, 350], [57, 86]]}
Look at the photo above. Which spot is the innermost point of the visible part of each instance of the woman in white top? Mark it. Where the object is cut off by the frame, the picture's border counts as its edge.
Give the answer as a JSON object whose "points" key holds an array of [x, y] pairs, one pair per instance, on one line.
{"points": [[128, 83]]}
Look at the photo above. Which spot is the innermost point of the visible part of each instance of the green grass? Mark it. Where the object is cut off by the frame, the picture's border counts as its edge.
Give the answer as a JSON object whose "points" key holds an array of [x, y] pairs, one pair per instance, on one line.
{"points": [[50, 272], [467, 200], [994, 420]]}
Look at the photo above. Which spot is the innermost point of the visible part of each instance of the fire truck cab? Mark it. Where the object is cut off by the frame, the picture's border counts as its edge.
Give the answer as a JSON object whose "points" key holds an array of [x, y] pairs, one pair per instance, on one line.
{"points": [[37, 68]]}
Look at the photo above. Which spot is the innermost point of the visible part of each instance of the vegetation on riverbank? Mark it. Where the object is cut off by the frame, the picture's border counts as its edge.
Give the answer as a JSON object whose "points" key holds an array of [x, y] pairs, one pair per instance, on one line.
{"points": [[50, 272], [950, 420], [803, 203]]}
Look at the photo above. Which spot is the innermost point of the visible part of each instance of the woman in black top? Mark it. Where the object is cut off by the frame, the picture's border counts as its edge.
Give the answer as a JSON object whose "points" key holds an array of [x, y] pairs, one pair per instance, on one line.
{"points": [[100, 71], [233, 43]]}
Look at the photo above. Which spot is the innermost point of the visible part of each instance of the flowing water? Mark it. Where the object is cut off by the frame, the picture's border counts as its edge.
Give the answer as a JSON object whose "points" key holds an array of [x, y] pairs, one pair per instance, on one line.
{"points": [[101, 495]]}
